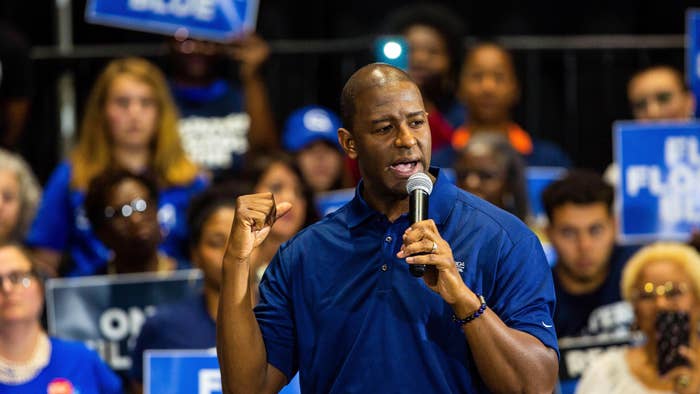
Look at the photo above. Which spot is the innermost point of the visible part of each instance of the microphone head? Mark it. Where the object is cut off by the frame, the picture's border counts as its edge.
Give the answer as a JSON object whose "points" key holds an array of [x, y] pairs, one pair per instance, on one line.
{"points": [[419, 181]]}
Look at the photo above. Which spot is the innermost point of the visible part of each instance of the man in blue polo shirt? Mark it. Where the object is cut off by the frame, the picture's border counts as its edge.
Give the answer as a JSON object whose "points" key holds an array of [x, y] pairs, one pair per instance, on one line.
{"points": [[338, 302]]}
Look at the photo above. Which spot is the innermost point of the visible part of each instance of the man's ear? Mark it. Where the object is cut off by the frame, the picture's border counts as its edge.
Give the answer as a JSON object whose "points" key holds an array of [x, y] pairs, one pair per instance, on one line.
{"points": [[347, 142]]}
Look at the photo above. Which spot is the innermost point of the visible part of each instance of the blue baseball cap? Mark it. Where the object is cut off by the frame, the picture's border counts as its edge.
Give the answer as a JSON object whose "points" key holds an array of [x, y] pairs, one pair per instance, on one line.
{"points": [[310, 124]]}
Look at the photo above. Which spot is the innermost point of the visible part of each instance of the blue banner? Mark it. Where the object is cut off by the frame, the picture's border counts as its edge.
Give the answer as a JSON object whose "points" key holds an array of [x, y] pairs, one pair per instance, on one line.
{"points": [[330, 201], [658, 195], [107, 312], [692, 56], [538, 178], [214, 20], [188, 371]]}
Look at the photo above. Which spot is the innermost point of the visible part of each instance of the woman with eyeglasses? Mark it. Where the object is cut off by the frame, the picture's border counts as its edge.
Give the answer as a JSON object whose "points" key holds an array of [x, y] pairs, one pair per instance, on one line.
{"points": [[490, 168], [31, 361], [662, 282], [122, 209], [130, 122]]}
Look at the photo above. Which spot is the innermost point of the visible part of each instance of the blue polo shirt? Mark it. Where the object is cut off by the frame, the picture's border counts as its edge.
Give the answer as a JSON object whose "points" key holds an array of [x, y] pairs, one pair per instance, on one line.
{"points": [[337, 305]]}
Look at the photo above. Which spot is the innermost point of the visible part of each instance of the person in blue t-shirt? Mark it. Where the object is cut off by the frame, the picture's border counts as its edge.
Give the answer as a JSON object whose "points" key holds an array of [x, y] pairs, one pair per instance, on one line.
{"points": [[588, 270], [31, 361], [130, 122], [338, 303]]}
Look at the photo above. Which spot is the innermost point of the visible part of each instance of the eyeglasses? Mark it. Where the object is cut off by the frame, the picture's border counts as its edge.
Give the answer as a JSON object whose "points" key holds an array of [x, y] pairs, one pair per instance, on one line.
{"points": [[138, 205], [17, 278], [662, 98], [670, 290]]}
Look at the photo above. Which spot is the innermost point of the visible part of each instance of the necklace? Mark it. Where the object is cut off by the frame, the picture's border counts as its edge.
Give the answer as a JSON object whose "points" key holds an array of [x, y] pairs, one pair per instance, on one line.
{"points": [[17, 373]]}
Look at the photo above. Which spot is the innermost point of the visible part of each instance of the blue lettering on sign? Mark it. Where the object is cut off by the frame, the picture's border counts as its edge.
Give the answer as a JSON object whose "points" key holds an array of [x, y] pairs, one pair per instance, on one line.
{"points": [[216, 20]]}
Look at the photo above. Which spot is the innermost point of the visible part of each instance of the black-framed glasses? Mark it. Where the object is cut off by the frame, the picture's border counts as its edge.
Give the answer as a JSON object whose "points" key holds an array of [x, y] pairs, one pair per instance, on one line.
{"points": [[17, 278], [138, 205]]}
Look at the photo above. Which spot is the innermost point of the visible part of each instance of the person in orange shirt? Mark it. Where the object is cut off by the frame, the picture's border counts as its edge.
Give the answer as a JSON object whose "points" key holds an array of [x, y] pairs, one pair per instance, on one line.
{"points": [[489, 88]]}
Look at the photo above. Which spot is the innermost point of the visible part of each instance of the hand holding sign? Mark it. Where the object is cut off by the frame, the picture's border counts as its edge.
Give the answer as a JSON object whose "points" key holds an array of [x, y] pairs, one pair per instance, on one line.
{"points": [[251, 51]]}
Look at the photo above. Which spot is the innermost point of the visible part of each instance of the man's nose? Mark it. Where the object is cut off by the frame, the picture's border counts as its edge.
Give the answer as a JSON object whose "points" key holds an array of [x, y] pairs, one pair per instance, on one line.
{"points": [[585, 243], [488, 84], [405, 137], [653, 109]]}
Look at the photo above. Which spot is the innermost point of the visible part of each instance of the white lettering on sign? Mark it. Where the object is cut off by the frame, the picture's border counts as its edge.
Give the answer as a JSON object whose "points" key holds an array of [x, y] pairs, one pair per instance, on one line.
{"points": [[202, 10], [209, 381], [111, 353], [117, 324], [211, 141], [677, 186]]}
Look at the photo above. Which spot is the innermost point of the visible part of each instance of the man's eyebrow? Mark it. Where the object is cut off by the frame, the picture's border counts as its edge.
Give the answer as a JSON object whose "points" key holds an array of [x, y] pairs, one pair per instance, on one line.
{"points": [[382, 119], [412, 114]]}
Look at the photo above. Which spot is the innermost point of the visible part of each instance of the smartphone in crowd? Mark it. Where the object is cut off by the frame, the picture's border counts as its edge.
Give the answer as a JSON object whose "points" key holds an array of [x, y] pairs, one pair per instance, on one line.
{"points": [[672, 332]]}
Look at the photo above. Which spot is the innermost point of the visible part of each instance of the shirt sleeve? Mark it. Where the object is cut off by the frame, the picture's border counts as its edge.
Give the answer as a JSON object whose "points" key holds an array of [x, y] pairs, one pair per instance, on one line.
{"points": [[275, 318], [523, 296], [52, 224]]}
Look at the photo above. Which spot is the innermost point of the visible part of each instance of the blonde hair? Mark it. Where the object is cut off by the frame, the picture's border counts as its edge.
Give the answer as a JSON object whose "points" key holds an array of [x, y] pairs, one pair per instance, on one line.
{"points": [[29, 192], [685, 256], [93, 154]]}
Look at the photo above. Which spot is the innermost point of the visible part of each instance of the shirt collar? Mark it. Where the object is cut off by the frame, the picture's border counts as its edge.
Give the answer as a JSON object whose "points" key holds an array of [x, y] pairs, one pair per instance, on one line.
{"points": [[440, 204]]}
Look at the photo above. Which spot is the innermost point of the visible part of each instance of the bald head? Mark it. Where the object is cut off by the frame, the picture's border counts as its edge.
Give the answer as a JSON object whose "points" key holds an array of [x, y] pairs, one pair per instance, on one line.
{"points": [[370, 76]]}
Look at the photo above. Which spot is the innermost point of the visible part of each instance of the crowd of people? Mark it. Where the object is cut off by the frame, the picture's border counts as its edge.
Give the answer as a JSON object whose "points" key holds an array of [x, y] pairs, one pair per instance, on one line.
{"points": [[189, 170]]}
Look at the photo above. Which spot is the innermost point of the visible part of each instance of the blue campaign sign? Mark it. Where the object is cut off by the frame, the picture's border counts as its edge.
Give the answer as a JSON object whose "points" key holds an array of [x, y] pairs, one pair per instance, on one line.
{"points": [[107, 312], [538, 178], [658, 196], [330, 201], [692, 56], [188, 371], [214, 20]]}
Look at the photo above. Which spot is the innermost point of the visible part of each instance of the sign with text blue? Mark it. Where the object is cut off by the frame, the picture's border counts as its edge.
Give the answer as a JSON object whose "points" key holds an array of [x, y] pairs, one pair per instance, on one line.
{"points": [[658, 196], [107, 312], [692, 55], [538, 178], [188, 371], [214, 20]]}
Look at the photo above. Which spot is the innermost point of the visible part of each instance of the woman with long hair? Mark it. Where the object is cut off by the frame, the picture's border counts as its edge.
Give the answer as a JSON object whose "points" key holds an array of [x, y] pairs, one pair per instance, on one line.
{"points": [[130, 122]]}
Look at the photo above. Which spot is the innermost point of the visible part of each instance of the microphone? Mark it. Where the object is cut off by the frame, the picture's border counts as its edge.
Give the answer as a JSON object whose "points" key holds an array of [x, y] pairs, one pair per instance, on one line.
{"points": [[419, 187]]}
